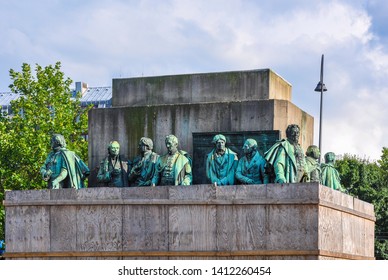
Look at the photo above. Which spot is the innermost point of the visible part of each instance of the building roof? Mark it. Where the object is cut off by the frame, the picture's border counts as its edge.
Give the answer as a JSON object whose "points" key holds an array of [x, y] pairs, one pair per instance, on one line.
{"points": [[96, 95], [7, 97], [92, 95]]}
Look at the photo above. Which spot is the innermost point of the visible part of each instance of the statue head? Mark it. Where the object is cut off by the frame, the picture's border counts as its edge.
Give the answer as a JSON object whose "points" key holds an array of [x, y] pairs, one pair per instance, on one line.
{"points": [[250, 146], [171, 144], [313, 151], [58, 141], [219, 141], [330, 157], [114, 148], [292, 133], [145, 144]]}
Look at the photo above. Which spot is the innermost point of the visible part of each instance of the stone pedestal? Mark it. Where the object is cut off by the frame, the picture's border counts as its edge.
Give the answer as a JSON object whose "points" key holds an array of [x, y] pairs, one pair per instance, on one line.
{"points": [[290, 221]]}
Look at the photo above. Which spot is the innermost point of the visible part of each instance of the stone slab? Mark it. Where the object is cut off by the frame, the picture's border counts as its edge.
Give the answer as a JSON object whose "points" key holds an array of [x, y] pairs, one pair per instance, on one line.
{"points": [[199, 88], [275, 221]]}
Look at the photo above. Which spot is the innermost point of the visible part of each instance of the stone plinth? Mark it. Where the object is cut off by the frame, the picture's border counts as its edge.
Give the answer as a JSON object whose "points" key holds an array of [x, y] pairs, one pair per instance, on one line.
{"points": [[291, 221], [260, 84]]}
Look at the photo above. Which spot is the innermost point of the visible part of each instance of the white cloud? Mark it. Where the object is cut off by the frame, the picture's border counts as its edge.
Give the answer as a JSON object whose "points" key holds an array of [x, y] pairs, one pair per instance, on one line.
{"points": [[99, 40]]}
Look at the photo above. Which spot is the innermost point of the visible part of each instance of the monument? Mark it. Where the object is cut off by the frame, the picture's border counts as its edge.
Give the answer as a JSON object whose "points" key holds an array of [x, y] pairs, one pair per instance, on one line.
{"points": [[199, 221]]}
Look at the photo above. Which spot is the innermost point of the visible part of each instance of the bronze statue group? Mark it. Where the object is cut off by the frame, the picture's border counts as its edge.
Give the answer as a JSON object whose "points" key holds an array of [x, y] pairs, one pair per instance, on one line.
{"points": [[284, 162]]}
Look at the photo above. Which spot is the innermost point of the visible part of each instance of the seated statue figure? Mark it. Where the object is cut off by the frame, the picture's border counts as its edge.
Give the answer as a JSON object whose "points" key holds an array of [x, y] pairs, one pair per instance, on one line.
{"points": [[287, 158], [173, 168], [63, 168], [221, 163], [330, 176], [312, 165], [113, 171], [143, 166], [251, 167]]}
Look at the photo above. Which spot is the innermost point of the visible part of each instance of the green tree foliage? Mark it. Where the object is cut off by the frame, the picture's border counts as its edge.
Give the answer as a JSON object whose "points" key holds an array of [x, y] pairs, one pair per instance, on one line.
{"points": [[45, 107], [369, 182]]}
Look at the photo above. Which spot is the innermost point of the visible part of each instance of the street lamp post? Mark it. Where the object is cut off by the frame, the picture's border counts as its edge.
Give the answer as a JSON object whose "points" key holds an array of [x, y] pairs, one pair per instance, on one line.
{"points": [[320, 88]]}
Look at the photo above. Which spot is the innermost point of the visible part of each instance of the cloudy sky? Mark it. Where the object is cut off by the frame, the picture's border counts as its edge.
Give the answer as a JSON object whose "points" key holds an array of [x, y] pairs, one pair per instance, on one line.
{"points": [[97, 40]]}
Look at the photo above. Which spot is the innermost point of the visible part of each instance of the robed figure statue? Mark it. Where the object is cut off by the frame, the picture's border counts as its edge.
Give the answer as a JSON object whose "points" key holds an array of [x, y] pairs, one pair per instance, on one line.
{"points": [[173, 168], [221, 163], [287, 158], [251, 167], [63, 168], [143, 166], [113, 171]]}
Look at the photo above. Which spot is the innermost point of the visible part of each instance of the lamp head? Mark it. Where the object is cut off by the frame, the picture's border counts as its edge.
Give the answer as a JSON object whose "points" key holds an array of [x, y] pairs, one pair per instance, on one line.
{"points": [[320, 87]]}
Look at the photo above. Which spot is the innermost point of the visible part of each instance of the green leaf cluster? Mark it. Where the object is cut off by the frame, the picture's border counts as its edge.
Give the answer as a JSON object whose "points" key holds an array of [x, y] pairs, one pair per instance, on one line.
{"points": [[369, 182], [45, 106]]}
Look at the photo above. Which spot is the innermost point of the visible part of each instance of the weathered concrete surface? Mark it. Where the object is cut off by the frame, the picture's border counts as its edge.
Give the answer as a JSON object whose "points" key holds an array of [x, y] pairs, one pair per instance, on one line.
{"points": [[290, 221], [261, 84]]}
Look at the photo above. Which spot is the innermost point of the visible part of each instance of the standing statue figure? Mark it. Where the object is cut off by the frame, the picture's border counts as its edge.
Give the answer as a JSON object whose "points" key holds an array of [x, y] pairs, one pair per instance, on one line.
{"points": [[113, 170], [221, 163], [287, 158], [63, 168], [173, 168], [312, 165], [251, 167], [143, 166], [330, 176]]}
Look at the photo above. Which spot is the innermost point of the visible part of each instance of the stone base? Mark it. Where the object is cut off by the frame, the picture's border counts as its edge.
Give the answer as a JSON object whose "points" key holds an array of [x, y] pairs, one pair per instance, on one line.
{"points": [[290, 221]]}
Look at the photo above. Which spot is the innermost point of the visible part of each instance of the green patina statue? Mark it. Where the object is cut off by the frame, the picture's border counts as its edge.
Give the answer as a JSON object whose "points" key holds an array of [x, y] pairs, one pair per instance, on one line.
{"points": [[251, 167], [143, 166], [312, 165], [221, 163], [173, 168], [330, 176], [287, 158], [113, 171], [63, 168]]}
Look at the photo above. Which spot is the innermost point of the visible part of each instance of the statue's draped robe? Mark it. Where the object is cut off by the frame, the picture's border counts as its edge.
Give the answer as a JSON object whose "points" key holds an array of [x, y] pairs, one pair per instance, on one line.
{"points": [[313, 169], [221, 169], [330, 177], [143, 170], [181, 169], [64, 159], [253, 171], [288, 169], [104, 173]]}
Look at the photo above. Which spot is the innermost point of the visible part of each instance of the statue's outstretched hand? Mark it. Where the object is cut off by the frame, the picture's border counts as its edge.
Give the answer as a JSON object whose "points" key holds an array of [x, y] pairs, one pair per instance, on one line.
{"points": [[55, 184], [46, 176]]}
